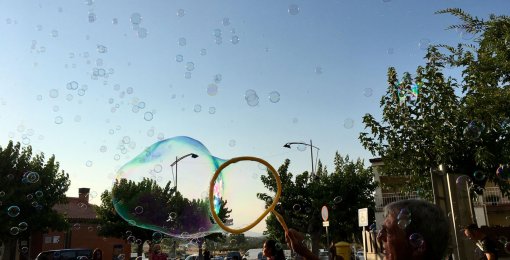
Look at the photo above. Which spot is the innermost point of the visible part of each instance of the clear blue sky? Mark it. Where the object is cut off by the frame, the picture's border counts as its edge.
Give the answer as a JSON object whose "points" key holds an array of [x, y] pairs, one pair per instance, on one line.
{"points": [[327, 60]]}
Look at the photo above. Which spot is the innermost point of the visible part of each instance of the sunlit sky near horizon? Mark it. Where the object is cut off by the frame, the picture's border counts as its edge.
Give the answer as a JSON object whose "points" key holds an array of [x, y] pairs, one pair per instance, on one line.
{"points": [[96, 82]]}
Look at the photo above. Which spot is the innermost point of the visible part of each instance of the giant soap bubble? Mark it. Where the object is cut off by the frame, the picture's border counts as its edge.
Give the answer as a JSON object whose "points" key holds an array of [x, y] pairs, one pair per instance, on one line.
{"points": [[148, 182]]}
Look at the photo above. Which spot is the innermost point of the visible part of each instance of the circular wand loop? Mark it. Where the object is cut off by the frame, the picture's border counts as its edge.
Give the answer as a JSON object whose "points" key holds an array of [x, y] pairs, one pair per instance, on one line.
{"points": [[269, 209]]}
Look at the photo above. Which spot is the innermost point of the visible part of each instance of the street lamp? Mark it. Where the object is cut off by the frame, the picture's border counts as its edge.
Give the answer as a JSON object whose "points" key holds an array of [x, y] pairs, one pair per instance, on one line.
{"points": [[287, 145], [177, 159]]}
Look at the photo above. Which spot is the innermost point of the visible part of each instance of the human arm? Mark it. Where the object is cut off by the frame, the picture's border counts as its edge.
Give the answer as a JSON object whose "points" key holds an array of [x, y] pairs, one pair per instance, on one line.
{"points": [[490, 256], [294, 240]]}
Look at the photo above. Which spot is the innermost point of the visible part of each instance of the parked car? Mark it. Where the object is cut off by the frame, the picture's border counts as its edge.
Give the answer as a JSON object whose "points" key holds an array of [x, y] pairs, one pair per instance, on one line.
{"points": [[233, 255], [66, 254]]}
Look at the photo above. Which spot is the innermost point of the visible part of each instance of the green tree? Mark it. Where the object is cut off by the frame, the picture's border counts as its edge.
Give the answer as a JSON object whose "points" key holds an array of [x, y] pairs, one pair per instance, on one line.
{"points": [[466, 133], [348, 188], [31, 186]]}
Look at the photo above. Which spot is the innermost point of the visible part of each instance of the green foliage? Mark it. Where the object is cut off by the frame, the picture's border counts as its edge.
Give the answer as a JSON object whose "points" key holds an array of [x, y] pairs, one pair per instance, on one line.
{"points": [[465, 132], [343, 191], [35, 200]]}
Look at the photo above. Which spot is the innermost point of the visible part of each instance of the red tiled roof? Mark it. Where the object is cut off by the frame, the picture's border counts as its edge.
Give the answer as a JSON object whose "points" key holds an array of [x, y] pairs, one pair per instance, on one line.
{"points": [[76, 208]]}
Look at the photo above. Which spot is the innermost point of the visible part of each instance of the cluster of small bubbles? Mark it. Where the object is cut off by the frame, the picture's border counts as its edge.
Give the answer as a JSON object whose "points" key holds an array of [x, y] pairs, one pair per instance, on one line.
{"points": [[179, 58], [53, 93], [182, 41], [197, 108], [367, 92], [13, 211], [416, 240], [232, 143], [503, 172], [404, 218], [138, 210], [102, 49], [348, 123], [148, 116], [92, 17], [293, 9], [424, 44], [59, 120], [181, 12], [190, 66], [88, 163], [235, 39], [14, 231], [251, 97], [390, 51], [296, 208], [337, 199], [318, 70], [473, 130], [274, 96], [212, 89], [203, 52], [212, 110], [225, 21]]}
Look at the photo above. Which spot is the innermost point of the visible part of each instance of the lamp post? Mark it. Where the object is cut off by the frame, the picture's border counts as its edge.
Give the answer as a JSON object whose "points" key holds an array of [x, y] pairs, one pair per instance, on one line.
{"points": [[177, 159], [287, 145]]}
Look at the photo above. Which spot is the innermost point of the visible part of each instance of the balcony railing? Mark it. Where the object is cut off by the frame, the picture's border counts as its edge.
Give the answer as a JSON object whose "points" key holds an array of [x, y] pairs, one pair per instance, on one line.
{"points": [[387, 198], [492, 196]]}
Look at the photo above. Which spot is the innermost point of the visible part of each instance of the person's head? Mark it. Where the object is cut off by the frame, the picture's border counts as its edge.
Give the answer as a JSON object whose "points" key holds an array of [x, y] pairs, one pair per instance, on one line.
{"points": [[273, 249], [156, 248], [97, 254], [473, 232], [414, 229]]}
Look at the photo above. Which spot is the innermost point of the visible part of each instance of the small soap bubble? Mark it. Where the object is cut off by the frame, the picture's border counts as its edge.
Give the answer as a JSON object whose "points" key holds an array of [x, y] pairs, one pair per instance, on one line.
{"points": [[293, 9], [232, 143], [473, 130], [218, 40], [203, 52], [424, 44], [13, 211], [115, 21], [416, 240], [212, 110], [217, 32], [187, 75], [148, 116], [337, 199], [197, 108], [102, 49], [139, 242], [190, 66], [218, 78], [157, 236], [181, 13], [24, 250], [39, 194], [54, 33], [301, 147], [32, 177], [367, 92], [88, 163], [235, 39], [131, 239], [318, 70], [14, 231], [348, 123], [179, 58], [212, 89], [296, 207], [59, 120], [2, 193], [73, 85], [403, 223], [30, 197], [274, 97], [76, 226], [390, 51], [121, 257], [251, 97], [92, 17], [225, 21], [136, 18], [182, 41], [503, 172], [479, 175], [53, 93], [462, 180], [142, 33], [138, 210]]}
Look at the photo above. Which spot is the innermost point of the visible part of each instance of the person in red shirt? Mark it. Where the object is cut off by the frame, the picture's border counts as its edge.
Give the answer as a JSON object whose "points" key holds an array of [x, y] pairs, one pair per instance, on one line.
{"points": [[157, 254]]}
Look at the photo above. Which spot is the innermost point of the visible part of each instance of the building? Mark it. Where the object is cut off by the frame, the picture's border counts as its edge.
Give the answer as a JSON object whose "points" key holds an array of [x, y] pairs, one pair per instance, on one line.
{"points": [[82, 232]]}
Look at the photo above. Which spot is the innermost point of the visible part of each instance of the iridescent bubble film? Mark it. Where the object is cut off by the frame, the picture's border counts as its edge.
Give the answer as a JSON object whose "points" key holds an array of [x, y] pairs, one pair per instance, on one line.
{"points": [[404, 218], [503, 172], [180, 160], [416, 240]]}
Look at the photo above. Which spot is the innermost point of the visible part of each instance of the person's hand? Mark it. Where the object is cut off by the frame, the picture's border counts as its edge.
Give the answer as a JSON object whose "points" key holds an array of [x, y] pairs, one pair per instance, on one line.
{"points": [[295, 241]]}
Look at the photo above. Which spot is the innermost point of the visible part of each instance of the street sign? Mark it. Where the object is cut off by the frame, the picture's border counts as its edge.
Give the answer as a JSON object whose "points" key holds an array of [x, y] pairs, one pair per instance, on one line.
{"points": [[325, 224], [324, 213], [363, 217]]}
